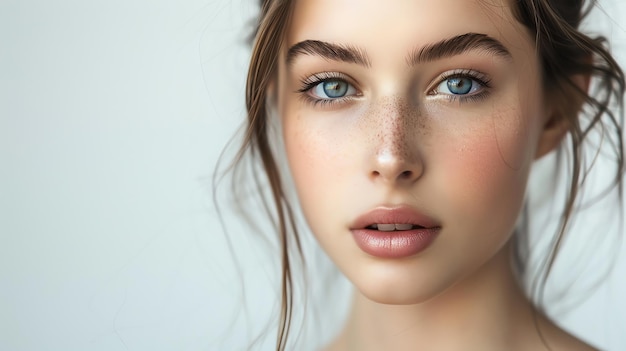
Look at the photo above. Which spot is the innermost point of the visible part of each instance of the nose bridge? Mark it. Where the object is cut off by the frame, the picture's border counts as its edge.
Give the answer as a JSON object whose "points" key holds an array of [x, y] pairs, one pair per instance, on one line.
{"points": [[395, 155], [394, 131]]}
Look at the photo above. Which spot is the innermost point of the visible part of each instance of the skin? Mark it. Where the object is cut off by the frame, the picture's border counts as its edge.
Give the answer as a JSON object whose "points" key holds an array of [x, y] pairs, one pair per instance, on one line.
{"points": [[400, 138]]}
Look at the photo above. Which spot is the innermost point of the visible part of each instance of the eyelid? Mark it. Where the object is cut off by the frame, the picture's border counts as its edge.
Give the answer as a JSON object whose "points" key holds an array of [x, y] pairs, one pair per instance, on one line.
{"points": [[478, 76], [311, 81]]}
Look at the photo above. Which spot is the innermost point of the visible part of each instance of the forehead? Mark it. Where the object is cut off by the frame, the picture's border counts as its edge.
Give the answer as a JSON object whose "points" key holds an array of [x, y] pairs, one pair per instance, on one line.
{"points": [[394, 25]]}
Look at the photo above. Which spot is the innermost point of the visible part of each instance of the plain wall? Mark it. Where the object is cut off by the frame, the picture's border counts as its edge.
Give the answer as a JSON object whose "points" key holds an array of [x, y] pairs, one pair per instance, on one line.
{"points": [[112, 116]]}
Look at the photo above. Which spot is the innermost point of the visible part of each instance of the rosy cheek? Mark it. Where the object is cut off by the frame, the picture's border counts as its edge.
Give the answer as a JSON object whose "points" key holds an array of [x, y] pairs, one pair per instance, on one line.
{"points": [[485, 161], [314, 154], [484, 170]]}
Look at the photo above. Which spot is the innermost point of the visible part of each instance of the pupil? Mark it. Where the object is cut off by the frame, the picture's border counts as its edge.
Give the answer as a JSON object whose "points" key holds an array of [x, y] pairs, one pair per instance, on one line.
{"points": [[459, 86], [335, 88]]}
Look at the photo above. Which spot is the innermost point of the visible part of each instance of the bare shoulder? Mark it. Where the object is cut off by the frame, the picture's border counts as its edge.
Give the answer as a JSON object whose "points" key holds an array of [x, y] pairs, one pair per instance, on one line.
{"points": [[560, 340], [568, 342]]}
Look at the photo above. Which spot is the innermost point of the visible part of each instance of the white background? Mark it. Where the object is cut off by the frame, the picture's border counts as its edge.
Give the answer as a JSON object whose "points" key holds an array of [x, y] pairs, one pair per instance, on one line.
{"points": [[112, 116]]}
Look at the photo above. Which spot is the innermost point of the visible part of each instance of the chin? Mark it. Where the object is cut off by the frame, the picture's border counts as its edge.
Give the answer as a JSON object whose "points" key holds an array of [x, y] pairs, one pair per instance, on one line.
{"points": [[406, 297], [399, 289], [386, 298]]}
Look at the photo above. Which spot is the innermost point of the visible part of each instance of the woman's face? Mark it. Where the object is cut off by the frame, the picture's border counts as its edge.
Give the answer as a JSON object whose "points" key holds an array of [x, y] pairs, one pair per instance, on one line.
{"points": [[410, 128]]}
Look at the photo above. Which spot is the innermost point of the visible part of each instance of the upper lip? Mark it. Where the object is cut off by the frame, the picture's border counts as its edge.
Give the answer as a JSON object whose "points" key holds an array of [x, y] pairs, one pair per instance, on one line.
{"points": [[394, 215]]}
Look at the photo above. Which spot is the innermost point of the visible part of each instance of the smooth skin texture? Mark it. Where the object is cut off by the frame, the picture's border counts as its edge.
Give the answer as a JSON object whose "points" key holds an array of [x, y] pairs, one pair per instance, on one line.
{"points": [[379, 131]]}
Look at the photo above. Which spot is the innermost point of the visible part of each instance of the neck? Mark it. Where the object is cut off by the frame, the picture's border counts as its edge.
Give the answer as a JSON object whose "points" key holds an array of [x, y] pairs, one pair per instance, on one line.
{"points": [[485, 311]]}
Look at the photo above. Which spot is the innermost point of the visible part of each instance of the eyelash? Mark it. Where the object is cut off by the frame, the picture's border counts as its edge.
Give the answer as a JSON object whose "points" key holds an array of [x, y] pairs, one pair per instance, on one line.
{"points": [[314, 80], [482, 79], [311, 82]]}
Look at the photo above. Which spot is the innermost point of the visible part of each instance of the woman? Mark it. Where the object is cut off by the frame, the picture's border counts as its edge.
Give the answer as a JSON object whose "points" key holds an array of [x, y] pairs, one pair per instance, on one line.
{"points": [[410, 128]]}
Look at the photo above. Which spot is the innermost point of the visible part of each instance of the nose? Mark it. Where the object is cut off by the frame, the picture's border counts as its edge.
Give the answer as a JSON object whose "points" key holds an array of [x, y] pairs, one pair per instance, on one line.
{"points": [[391, 166], [396, 157]]}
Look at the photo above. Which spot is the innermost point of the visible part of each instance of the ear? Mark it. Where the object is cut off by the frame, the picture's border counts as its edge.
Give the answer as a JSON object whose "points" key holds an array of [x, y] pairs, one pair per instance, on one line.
{"points": [[564, 107]]}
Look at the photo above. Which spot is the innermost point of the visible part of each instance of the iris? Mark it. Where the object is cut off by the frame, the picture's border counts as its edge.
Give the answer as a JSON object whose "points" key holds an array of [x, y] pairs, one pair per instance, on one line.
{"points": [[459, 85], [335, 88]]}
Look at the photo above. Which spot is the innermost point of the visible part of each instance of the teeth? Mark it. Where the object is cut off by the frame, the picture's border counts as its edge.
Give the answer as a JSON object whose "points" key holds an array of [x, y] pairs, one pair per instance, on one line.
{"points": [[392, 227], [386, 227]]}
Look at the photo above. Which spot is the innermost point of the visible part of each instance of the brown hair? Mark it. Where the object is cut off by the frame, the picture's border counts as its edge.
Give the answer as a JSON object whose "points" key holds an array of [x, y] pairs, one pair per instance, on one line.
{"points": [[564, 52]]}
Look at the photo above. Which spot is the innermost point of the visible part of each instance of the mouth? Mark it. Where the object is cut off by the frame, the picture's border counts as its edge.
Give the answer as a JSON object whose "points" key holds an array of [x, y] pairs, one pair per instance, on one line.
{"points": [[389, 219], [391, 227], [394, 232]]}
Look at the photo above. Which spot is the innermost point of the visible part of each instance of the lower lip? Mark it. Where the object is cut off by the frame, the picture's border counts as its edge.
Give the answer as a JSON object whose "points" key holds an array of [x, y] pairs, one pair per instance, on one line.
{"points": [[395, 244]]}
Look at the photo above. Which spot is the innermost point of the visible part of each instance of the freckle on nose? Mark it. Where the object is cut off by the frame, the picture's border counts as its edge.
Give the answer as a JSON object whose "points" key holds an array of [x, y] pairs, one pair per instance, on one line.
{"points": [[396, 120]]}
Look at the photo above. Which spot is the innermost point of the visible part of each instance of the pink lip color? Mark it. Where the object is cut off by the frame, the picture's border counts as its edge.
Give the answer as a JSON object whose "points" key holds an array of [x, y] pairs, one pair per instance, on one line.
{"points": [[394, 244]]}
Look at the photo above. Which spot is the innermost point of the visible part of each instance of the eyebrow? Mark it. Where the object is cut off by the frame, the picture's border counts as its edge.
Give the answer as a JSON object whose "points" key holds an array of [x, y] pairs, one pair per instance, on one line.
{"points": [[445, 48], [330, 51], [456, 46]]}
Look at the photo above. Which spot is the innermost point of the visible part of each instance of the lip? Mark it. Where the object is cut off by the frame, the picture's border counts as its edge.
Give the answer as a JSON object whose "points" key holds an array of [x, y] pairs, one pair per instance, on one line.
{"points": [[394, 244]]}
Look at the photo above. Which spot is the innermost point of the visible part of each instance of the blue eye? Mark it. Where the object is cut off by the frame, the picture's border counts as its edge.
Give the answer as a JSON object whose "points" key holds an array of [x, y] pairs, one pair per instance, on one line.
{"points": [[332, 89], [458, 86]]}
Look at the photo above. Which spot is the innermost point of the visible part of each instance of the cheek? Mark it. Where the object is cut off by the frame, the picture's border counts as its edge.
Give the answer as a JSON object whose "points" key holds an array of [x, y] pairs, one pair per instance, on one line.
{"points": [[484, 171], [312, 152], [318, 161], [500, 149]]}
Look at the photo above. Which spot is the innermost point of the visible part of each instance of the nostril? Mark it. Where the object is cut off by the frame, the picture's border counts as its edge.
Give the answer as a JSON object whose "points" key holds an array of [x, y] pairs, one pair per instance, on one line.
{"points": [[406, 174]]}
